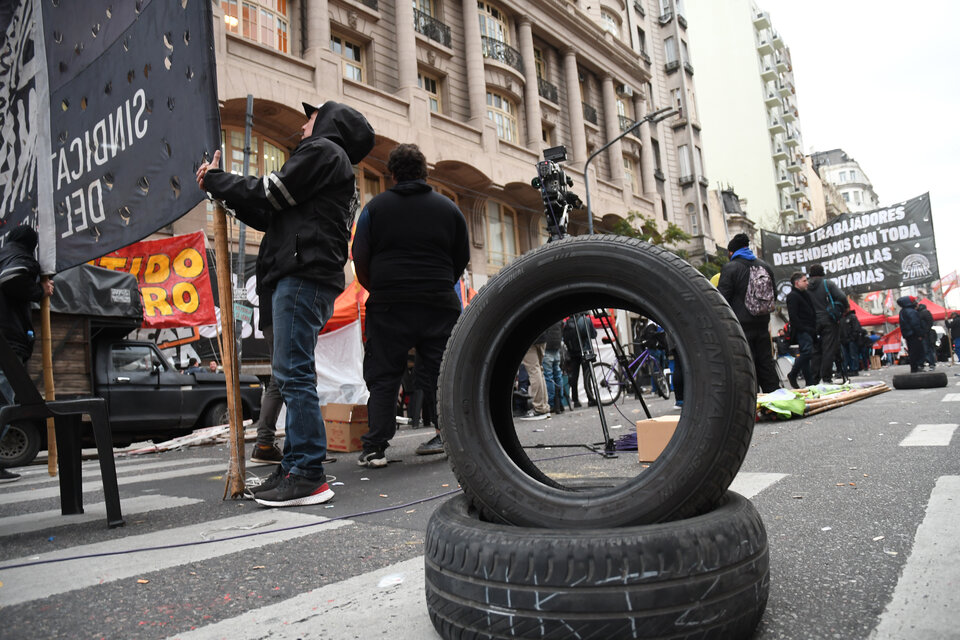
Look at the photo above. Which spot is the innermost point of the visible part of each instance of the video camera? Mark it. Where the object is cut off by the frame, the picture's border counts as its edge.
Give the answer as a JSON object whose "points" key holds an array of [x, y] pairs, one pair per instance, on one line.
{"points": [[557, 199]]}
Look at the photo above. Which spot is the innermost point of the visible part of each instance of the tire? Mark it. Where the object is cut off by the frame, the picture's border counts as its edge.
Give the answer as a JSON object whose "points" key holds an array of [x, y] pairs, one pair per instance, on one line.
{"points": [[549, 283], [609, 383], [216, 414], [660, 381], [920, 380], [20, 444], [703, 577]]}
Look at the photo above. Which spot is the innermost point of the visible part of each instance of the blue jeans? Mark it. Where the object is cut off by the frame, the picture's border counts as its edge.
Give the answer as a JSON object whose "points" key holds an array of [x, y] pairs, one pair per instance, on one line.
{"points": [[300, 309], [802, 363], [956, 347], [552, 375], [851, 356]]}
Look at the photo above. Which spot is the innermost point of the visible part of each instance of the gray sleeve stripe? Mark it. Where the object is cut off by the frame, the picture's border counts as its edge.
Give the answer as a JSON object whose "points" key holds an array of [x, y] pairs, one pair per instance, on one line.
{"points": [[266, 191], [283, 189], [12, 272]]}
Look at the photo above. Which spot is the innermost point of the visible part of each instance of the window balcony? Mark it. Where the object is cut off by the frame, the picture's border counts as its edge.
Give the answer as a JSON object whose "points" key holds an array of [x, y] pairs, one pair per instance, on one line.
{"points": [[625, 123], [776, 127], [784, 181], [797, 192], [688, 67], [687, 180], [794, 167], [780, 154], [789, 116], [547, 90], [658, 174], [764, 48], [768, 74], [430, 27], [681, 20], [590, 113], [671, 66], [782, 65], [777, 41], [772, 99], [502, 52], [792, 141], [703, 181], [638, 6], [666, 17], [645, 56], [788, 210], [761, 21], [785, 88]]}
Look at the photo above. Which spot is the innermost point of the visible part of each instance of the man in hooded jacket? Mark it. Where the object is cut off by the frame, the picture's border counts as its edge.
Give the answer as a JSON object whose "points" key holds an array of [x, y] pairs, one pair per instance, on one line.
{"points": [[410, 249], [912, 330], [305, 211], [734, 278], [829, 303]]}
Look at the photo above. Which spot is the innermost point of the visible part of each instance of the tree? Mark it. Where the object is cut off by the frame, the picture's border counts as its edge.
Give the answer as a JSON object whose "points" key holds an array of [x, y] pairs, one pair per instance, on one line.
{"points": [[637, 225]]}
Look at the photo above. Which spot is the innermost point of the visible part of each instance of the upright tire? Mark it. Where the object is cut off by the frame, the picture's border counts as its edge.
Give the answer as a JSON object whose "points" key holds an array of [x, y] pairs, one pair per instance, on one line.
{"points": [[703, 577], [548, 284]]}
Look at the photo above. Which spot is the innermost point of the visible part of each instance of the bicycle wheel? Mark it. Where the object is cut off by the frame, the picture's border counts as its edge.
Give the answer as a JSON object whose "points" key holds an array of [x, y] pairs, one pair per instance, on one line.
{"points": [[659, 380], [608, 381]]}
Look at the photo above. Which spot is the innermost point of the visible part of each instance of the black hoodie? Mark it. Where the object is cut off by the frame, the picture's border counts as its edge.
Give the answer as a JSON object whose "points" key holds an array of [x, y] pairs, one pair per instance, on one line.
{"points": [[19, 286], [304, 208]]}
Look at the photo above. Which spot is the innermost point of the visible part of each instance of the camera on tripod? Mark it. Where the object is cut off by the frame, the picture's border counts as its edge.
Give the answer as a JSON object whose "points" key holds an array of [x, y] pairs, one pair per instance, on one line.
{"points": [[557, 199]]}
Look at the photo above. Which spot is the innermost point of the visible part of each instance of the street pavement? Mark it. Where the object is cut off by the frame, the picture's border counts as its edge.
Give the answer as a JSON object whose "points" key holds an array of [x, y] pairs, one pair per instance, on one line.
{"points": [[859, 504]]}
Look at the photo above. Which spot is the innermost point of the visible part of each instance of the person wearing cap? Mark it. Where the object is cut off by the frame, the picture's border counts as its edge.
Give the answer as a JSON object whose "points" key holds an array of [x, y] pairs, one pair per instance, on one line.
{"points": [[911, 328], [305, 210], [734, 278], [20, 285]]}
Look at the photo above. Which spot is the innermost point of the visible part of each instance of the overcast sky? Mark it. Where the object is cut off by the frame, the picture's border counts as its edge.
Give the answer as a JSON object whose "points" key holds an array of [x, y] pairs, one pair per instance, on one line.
{"points": [[881, 80]]}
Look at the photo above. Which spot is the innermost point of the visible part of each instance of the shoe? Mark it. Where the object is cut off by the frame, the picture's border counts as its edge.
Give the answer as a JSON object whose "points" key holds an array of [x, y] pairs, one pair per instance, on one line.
{"points": [[534, 415], [372, 458], [255, 485], [432, 446], [827, 381], [8, 476], [792, 378], [295, 491], [576, 404], [269, 454], [678, 405], [591, 403]]}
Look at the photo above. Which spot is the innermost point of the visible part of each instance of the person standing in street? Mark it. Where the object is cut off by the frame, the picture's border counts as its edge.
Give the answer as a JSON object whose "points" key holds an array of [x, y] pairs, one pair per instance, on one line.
{"points": [[803, 328], [929, 336], [552, 375], [953, 324], [578, 336], [736, 278], [410, 249], [829, 302], [911, 328], [20, 285], [305, 211]]}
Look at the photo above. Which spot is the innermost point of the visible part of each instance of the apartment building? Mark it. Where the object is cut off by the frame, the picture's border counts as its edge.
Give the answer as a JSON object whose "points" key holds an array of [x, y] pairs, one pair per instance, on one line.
{"points": [[850, 181], [749, 111], [483, 88]]}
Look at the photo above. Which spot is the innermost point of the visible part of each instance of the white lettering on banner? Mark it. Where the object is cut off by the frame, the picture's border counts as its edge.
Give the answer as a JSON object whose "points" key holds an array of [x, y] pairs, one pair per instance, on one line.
{"points": [[871, 219], [117, 132]]}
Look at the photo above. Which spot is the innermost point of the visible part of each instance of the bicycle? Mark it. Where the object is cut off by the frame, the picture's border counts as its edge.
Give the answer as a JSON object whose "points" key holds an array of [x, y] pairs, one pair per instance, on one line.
{"points": [[611, 380]]}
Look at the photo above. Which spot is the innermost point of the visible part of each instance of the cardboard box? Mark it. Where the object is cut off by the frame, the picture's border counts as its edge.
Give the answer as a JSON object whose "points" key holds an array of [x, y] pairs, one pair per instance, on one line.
{"points": [[345, 424], [653, 436], [874, 362]]}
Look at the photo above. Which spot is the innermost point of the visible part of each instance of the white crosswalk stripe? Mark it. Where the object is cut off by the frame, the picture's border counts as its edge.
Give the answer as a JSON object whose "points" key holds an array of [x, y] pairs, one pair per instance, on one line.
{"points": [[42, 581], [91, 468], [749, 484], [951, 397], [930, 435]]}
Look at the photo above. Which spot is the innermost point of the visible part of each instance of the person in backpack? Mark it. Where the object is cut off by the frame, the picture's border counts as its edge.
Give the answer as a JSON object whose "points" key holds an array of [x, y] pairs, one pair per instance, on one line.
{"points": [[911, 328], [829, 302], [746, 282], [578, 335], [803, 328]]}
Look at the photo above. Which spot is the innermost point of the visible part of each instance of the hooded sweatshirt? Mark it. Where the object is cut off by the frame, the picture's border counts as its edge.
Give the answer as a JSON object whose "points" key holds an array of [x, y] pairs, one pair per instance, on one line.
{"points": [[304, 209], [910, 324], [19, 286]]}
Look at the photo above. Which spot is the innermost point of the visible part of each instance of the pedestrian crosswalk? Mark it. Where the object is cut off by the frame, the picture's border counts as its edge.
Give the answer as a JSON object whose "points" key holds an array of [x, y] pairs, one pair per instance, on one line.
{"points": [[930, 435]]}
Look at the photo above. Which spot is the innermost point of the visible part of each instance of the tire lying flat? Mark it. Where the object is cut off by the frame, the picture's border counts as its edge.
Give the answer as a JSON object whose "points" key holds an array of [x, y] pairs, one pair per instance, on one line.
{"points": [[702, 577], [920, 380], [545, 285]]}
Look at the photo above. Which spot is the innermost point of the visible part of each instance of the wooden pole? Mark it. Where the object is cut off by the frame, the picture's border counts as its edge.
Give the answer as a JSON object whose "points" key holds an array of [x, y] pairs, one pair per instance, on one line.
{"points": [[49, 391], [237, 470]]}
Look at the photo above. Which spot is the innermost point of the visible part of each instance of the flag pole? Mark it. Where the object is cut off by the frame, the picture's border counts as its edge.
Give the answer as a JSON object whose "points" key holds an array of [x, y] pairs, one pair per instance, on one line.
{"points": [[235, 474], [49, 391]]}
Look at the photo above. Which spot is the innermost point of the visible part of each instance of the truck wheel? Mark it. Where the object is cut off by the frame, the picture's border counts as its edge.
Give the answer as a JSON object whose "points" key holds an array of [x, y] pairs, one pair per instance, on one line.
{"points": [[703, 577], [927, 380], [20, 444], [485, 447], [216, 415]]}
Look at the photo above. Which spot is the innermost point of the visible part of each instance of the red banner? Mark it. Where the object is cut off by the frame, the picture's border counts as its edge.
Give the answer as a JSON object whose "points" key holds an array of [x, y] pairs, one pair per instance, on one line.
{"points": [[174, 279]]}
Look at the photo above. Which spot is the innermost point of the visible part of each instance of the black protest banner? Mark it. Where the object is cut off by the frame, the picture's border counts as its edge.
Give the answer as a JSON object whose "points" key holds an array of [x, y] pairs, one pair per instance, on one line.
{"points": [[118, 101], [861, 252]]}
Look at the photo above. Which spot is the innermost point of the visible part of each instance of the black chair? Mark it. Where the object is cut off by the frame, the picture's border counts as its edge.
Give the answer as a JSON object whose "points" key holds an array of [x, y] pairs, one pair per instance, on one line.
{"points": [[30, 405]]}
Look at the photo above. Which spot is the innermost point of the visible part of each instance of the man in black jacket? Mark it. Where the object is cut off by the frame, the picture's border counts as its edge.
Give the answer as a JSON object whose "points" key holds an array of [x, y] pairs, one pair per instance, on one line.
{"points": [[829, 301], [911, 328], [803, 327], [305, 212], [409, 250], [734, 279], [929, 336], [20, 286]]}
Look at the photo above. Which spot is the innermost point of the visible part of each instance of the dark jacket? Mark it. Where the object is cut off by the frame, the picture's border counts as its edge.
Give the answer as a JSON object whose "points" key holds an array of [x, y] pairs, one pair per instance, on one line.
{"points": [[734, 278], [304, 209], [926, 318], [803, 318], [554, 336], [587, 333], [19, 286], [411, 245], [850, 327], [817, 290], [954, 325], [910, 323]]}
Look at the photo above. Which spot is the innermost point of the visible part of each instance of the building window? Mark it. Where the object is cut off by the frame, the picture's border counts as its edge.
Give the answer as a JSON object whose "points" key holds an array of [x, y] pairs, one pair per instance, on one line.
{"points": [[677, 97], [503, 112], [539, 63], [501, 234], [670, 48], [853, 175], [641, 40], [697, 161], [846, 197], [630, 174], [685, 51], [493, 22], [351, 54], [610, 22], [692, 218], [263, 21], [431, 85], [428, 7], [265, 155], [683, 155], [655, 145], [546, 134], [843, 176]]}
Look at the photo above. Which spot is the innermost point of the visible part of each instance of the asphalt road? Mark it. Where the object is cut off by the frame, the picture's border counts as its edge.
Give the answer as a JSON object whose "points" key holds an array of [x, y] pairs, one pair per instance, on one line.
{"points": [[862, 532]]}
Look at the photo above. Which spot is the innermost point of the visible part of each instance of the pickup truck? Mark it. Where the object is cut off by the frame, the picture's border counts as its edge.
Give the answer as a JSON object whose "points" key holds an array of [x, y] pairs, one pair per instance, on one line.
{"points": [[147, 397]]}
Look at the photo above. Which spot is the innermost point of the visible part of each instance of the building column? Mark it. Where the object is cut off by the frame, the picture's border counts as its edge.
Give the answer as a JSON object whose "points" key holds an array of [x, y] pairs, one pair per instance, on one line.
{"points": [[406, 45], [637, 111], [476, 80], [318, 26], [575, 107], [612, 125], [531, 90], [647, 163]]}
